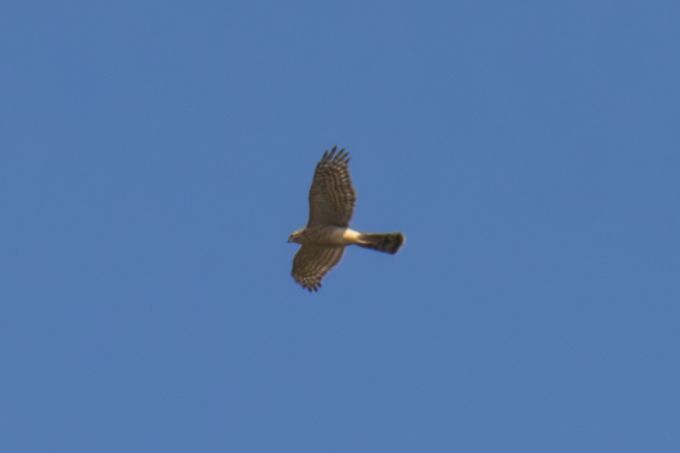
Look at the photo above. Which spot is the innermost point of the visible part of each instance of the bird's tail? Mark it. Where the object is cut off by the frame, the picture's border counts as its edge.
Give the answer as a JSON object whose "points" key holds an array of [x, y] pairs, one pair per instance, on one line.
{"points": [[382, 242]]}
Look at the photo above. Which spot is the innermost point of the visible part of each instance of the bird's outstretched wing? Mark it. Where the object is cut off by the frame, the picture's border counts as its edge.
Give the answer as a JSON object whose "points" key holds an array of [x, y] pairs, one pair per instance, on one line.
{"points": [[312, 262], [332, 196]]}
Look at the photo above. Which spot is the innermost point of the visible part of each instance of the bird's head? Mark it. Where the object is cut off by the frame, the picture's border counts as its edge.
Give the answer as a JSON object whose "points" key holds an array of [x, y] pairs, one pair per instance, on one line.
{"points": [[295, 236]]}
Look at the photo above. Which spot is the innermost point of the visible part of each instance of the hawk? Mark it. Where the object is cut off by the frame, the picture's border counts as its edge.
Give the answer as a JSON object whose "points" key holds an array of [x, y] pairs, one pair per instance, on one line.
{"points": [[331, 204]]}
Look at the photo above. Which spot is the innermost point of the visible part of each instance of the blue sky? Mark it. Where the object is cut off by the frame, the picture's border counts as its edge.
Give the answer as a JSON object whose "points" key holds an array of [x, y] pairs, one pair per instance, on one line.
{"points": [[154, 157]]}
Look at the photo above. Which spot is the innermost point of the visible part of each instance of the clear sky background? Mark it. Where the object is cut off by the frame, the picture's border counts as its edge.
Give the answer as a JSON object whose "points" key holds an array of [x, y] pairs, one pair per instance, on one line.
{"points": [[155, 155]]}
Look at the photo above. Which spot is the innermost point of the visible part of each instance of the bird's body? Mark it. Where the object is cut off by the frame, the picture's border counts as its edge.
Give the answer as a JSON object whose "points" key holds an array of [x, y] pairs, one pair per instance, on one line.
{"points": [[331, 205], [327, 235]]}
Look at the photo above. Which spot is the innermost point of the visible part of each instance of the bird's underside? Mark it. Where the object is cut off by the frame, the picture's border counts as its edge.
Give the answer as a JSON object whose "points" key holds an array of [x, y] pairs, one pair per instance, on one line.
{"points": [[331, 205]]}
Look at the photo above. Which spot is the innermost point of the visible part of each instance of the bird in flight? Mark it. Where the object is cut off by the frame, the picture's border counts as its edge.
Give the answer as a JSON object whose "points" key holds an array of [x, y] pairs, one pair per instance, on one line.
{"points": [[331, 204]]}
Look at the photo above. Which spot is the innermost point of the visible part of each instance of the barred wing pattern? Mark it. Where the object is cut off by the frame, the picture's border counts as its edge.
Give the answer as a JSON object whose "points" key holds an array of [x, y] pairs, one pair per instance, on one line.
{"points": [[312, 262], [332, 196]]}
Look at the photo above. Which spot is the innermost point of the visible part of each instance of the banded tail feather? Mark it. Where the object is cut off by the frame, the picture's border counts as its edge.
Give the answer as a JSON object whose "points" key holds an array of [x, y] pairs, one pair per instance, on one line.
{"points": [[382, 242]]}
